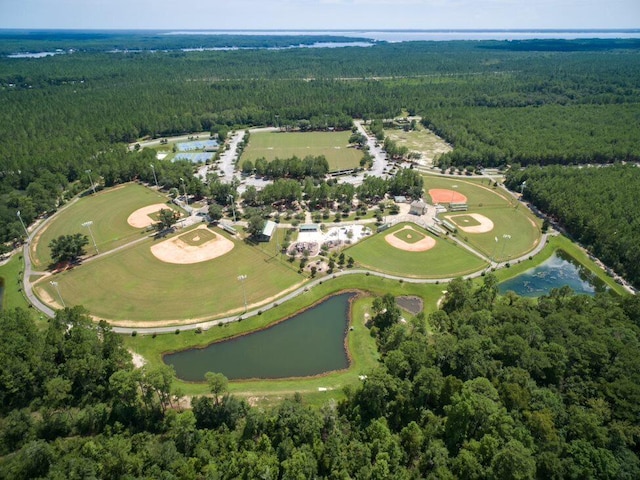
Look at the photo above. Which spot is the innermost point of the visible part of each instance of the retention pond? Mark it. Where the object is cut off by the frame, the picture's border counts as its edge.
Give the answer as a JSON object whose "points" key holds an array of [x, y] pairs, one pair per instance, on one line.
{"points": [[557, 271], [309, 343]]}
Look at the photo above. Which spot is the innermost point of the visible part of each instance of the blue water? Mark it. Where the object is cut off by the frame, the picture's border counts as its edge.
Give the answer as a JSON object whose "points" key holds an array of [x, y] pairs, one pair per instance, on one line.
{"points": [[310, 343], [559, 270]]}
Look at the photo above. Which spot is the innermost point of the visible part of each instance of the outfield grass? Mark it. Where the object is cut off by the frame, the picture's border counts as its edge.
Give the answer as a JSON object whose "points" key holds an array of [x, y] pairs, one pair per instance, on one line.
{"points": [[333, 145], [509, 217], [108, 210], [131, 284], [361, 345], [446, 259]]}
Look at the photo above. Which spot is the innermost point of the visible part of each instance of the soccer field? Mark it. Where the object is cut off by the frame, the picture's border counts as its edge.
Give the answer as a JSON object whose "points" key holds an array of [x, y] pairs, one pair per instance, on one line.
{"points": [[333, 145]]}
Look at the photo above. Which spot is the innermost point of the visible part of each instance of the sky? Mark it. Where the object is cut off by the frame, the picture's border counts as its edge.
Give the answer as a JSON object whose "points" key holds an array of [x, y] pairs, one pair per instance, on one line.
{"points": [[319, 14]]}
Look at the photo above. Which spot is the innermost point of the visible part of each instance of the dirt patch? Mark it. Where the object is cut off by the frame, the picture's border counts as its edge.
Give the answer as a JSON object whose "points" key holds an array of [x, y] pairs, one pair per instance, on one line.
{"points": [[443, 195], [180, 252], [141, 219], [486, 225], [423, 245], [138, 360], [411, 304]]}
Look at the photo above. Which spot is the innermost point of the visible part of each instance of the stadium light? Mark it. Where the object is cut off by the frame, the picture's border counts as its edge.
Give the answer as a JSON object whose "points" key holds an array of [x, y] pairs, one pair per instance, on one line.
{"points": [[184, 189], [88, 225], [88, 172], [505, 237], [241, 279], [154, 175], [23, 226], [55, 285], [233, 206]]}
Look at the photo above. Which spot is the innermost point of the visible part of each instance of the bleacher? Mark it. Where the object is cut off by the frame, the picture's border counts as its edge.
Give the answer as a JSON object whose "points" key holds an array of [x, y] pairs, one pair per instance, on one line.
{"points": [[449, 226], [437, 231], [228, 228], [458, 207]]}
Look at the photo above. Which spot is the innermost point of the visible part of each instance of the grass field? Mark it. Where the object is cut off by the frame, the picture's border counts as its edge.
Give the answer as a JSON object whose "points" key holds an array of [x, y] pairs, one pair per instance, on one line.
{"points": [[409, 236], [131, 284], [508, 217], [444, 260], [464, 220], [108, 210], [420, 140], [198, 237], [11, 272], [333, 145], [361, 345]]}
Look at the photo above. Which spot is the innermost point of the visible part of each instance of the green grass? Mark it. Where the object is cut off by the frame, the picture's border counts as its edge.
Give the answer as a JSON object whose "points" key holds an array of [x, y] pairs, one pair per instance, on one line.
{"points": [[198, 237], [108, 210], [409, 236], [444, 260], [11, 272], [361, 345], [131, 284], [333, 145], [463, 220], [508, 217]]}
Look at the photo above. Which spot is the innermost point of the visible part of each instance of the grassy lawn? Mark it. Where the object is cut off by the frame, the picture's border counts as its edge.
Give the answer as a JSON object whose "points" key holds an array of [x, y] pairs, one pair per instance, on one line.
{"points": [[361, 345], [420, 140], [333, 145], [131, 284], [11, 273], [108, 210], [446, 259]]}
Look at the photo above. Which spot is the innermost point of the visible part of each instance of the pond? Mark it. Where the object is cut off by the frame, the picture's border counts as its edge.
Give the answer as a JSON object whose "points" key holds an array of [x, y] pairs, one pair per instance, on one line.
{"points": [[557, 271], [309, 343]]}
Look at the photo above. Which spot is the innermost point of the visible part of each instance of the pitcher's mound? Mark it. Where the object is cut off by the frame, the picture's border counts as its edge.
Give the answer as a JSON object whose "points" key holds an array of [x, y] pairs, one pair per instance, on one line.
{"points": [[423, 245], [196, 246], [141, 218]]}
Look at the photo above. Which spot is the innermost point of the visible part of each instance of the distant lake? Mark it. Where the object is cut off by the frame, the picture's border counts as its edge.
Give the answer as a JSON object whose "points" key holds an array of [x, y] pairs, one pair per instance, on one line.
{"points": [[557, 271], [309, 343]]}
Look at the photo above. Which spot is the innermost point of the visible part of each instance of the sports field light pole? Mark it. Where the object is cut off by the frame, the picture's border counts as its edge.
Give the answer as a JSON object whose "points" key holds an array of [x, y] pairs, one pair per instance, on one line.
{"points": [[495, 247], [23, 226], [184, 189], [88, 172], [55, 285], [88, 225], [233, 207], [505, 237], [453, 192], [241, 279], [154, 175]]}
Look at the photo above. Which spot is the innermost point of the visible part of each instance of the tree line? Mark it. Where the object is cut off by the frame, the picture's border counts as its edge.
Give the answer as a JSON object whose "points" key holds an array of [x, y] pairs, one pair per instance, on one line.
{"points": [[498, 388], [596, 206]]}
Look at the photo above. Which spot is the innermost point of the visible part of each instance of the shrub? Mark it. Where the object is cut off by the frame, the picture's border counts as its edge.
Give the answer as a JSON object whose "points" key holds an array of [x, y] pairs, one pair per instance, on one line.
{"points": [[134, 333], [177, 331]]}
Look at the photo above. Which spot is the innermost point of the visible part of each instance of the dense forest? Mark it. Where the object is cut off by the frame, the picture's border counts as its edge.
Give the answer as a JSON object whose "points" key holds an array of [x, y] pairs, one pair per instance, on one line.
{"points": [[499, 388], [496, 102], [596, 205]]}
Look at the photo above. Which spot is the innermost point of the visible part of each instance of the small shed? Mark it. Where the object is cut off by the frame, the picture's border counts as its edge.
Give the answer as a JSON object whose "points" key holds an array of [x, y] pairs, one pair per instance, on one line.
{"points": [[309, 228], [267, 231], [400, 199], [418, 207]]}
